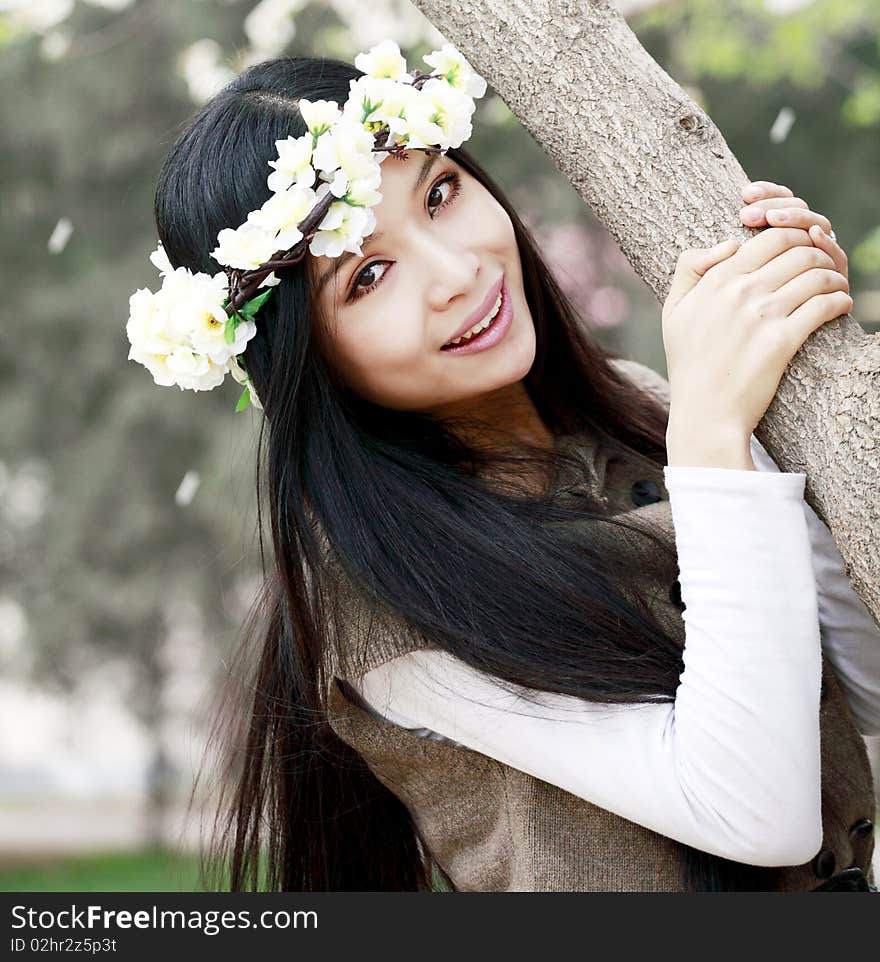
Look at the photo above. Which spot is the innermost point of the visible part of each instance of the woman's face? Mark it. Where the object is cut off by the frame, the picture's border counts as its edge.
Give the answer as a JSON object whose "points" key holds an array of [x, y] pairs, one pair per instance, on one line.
{"points": [[441, 247]]}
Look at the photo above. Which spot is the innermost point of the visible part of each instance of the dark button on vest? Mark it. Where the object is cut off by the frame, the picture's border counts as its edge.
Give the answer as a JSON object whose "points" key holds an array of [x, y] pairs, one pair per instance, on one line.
{"points": [[645, 492], [675, 595], [861, 829], [824, 863]]}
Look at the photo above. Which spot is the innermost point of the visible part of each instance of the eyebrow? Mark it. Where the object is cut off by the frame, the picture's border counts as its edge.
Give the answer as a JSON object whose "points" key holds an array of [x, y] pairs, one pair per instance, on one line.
{"points": [[371, 238]]}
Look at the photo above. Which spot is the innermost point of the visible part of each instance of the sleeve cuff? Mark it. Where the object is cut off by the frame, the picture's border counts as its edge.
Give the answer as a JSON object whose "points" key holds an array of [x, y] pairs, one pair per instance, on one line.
{"points": [[783, 484]]}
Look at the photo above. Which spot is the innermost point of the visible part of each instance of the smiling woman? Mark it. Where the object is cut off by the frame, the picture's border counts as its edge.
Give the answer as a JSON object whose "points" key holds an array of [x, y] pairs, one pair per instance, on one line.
{"points": [[502, 504], [443, 253]]}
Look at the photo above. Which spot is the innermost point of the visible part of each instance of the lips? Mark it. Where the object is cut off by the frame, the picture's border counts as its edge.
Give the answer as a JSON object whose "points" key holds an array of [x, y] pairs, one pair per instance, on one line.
{"points": [[480, 312]]}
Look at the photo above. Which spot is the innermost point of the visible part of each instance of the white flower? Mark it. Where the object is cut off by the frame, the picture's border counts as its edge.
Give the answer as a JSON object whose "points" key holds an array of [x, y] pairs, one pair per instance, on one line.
{"points": [[345, 156], [201, 312], [154, 363], [319, 115], [373, 102], [363, 191], [293, 164], [347, 145], [194, 371], [177, 288], [419, 128], [246, 247], [156, 342], [220, 353], [336, 183], [383, 60], [458, 73], [281, 213], [452, 111], [396, 107], [178, 333], [334, 217], [342, 229], [159, 259], [366, 95], [149, 331]]}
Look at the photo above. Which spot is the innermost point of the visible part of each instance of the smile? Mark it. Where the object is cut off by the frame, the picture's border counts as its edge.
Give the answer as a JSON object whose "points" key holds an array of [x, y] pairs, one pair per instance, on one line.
{"points": [[497, 322]]}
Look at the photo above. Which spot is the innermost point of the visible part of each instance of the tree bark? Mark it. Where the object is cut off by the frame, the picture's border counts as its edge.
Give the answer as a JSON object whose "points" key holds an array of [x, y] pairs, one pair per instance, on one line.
{"points": [[660, 177]]}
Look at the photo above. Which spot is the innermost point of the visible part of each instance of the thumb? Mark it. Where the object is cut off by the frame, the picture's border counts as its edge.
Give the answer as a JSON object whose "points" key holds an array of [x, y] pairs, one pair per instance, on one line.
{"points": [[693, 264]]}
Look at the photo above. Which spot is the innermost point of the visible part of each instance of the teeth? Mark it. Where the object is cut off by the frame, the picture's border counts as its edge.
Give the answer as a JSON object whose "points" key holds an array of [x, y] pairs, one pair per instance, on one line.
{"points": [[487, 320]]}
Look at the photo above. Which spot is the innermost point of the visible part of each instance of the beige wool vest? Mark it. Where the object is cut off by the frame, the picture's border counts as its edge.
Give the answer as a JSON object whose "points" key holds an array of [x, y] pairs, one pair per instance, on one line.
{"points": [[493, 828]]}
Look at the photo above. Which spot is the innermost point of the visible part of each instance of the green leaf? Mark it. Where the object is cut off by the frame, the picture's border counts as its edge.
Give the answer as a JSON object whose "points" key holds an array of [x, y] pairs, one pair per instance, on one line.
{"points": [[229, 331], [244, 400], [255, 303]]}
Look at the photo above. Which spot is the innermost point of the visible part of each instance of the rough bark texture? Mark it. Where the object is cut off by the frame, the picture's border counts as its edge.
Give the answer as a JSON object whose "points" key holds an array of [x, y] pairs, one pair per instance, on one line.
{"points": [[660, 177]]}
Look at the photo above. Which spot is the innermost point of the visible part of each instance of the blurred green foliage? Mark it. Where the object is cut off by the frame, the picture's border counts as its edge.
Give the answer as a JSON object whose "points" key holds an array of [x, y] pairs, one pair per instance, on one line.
{"points": [[750, 58], [156, 870], [764, 43]]}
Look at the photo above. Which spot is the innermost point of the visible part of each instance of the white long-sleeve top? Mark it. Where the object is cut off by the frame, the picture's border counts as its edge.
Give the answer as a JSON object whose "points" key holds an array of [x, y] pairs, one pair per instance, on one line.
{"points": [[732, 766]]}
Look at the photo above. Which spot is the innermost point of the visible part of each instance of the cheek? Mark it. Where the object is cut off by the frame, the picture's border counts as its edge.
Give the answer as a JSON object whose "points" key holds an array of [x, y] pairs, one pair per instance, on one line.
{"points": [[385, 345], [490, 223], [380, 359]]}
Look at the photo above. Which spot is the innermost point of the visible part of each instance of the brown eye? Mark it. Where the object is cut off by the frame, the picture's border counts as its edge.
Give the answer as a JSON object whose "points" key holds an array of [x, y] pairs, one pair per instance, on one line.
{"points": [[453, 180], [357, 289], [435, 192]]}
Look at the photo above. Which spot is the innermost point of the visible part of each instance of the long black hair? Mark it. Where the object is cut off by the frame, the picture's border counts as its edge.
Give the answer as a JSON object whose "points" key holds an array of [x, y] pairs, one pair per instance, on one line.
{"points": [[298, 809]]}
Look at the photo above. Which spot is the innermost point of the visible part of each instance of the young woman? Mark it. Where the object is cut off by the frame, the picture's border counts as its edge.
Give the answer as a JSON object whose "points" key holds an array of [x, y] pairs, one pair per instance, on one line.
{"points": [[469, 666]]}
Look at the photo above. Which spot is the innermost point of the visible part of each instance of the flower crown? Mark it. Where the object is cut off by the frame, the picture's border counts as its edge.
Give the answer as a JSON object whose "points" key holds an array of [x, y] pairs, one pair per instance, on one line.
{"points": [[195, 328]]}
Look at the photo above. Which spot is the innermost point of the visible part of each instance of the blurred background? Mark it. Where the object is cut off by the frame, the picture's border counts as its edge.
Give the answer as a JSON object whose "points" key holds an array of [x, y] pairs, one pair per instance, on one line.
{"points": [[128, 553]]}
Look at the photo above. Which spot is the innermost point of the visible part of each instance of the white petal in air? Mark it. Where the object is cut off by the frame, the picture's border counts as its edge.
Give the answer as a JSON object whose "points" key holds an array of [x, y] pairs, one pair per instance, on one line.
{"points": [[60, 236], [782, 125], [187, 488]]}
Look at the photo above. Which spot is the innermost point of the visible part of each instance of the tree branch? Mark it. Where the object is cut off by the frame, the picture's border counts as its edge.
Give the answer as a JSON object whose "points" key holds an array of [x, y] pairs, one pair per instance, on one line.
{"points": [[660, 177]]}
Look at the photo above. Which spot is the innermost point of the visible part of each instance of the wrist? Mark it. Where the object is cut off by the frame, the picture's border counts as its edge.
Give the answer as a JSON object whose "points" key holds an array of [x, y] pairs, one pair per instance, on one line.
{"points": [[712, 446]]}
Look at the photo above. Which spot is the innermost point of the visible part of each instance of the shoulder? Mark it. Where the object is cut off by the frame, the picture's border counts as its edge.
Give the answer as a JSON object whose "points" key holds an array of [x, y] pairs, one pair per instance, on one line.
{"points": [[643, 376]]}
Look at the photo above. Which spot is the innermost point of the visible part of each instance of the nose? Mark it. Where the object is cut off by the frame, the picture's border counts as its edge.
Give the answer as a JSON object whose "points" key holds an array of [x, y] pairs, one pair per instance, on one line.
{"points": [[452, 273]]}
